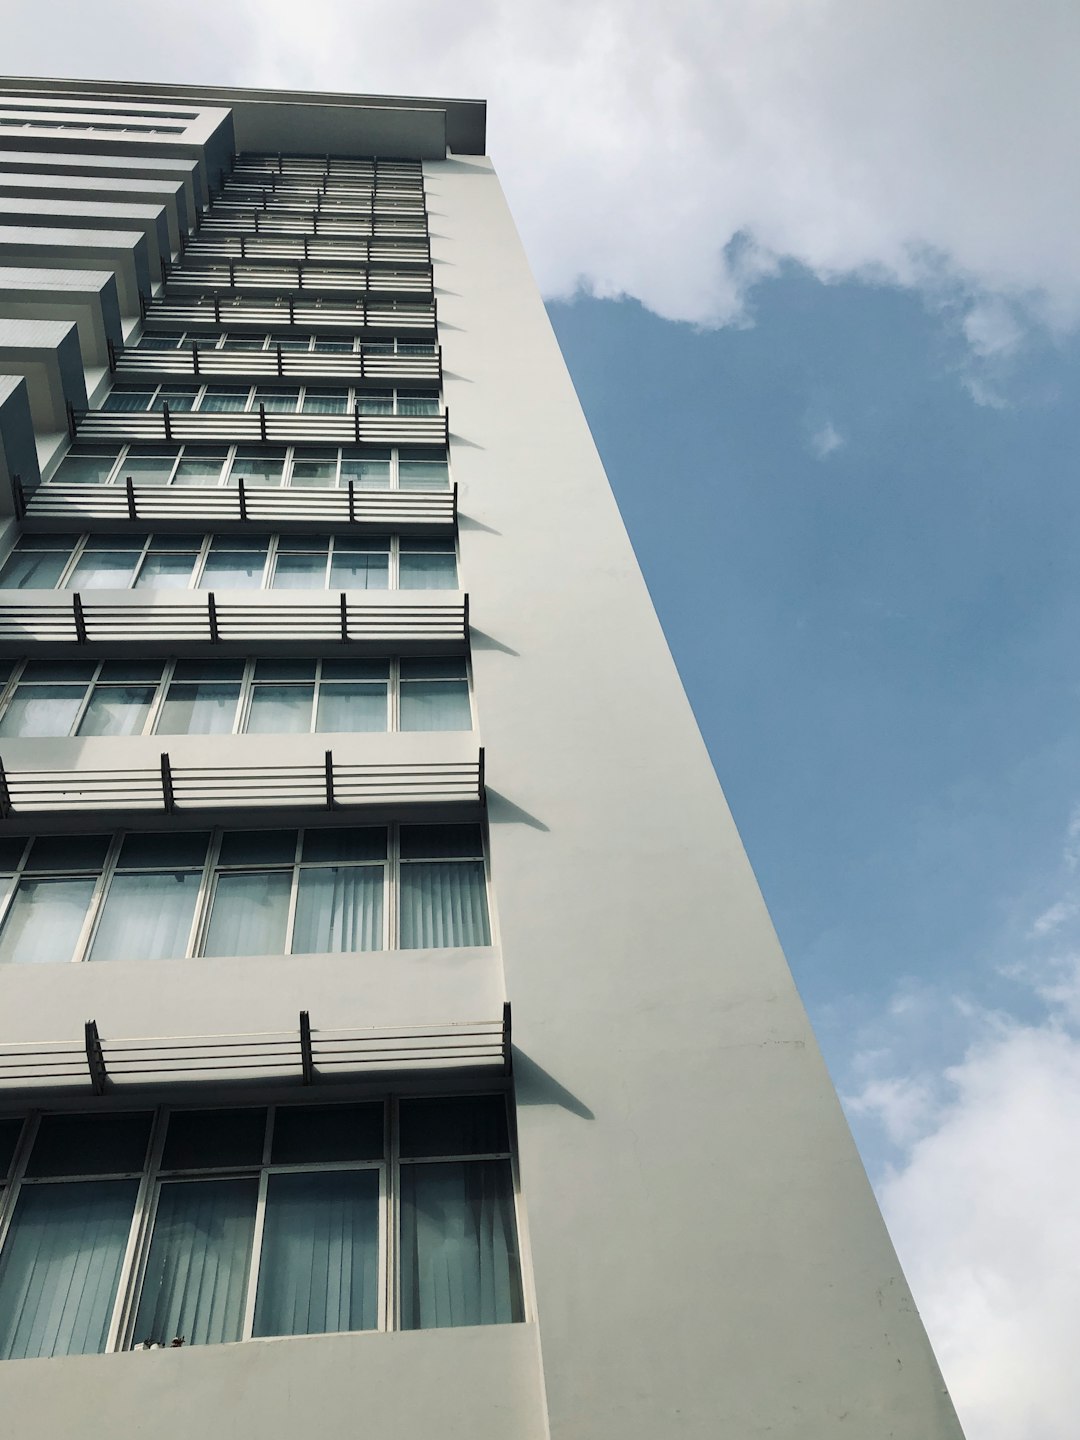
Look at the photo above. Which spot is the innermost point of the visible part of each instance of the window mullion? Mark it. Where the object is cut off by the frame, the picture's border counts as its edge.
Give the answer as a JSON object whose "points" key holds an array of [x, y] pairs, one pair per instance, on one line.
{"points": [[138, 1245], [97, 900], [256, 1255], [153, 715]]}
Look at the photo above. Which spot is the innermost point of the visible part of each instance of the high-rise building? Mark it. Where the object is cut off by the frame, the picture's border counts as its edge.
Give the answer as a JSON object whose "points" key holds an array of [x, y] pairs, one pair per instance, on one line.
{"points": [[336, 727]]}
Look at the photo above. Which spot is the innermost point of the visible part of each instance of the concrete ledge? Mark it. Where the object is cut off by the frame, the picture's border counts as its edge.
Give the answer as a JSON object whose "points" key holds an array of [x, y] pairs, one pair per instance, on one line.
{"points": [[18, 449], [124, 252], [88, 297], [47, 353]]}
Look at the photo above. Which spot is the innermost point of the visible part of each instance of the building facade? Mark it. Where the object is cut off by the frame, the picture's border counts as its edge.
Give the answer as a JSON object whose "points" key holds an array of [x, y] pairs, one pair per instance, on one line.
{"points": [[393, 1039]]}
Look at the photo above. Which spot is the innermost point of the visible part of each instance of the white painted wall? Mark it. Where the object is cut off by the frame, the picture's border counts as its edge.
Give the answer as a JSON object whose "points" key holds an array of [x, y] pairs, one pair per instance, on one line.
{"points": [[707, 1254]]}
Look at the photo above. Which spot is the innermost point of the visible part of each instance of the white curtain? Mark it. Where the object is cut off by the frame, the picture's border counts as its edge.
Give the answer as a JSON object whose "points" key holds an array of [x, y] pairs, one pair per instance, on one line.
{"points": [[147, 917], [60, 1267], [280, 709], [339, 910], [351, 706], [435, 705], [117, 710], [42, 710], [43, 921], [459, 1262], [197, 1269], [250, 912], [320, 1254], [443, 902]]}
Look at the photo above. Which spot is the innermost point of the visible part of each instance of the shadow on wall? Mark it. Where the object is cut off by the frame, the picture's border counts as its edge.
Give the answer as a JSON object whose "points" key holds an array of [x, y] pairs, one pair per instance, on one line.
{"points": [[502, 811], [534, 1086]]}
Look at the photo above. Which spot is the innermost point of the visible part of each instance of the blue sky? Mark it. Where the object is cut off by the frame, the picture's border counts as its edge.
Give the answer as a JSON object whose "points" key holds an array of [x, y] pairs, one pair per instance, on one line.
{"points": [[814, 270], [870, 586]]}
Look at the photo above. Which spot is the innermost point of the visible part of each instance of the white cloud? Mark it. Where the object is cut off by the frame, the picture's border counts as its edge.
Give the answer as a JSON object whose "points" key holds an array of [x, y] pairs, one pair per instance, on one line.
{"points": [[825, 439], [675, 151], [981, 1198], [985, 1218]]}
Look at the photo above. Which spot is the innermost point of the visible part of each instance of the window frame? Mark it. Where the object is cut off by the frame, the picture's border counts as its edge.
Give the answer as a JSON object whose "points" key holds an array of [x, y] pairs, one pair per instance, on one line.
{"points": [[125, 450], [152, 1175], [210, 871]]}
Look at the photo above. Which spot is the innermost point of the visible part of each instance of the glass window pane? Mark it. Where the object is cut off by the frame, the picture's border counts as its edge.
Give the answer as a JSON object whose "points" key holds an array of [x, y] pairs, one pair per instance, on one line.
{"points": [[209, 1139], [257, 847], [459, 1255], [141, 851], [299, 572], [60, 1267], [362, 842], [359, 572], [441, 842], [196, 1273], [233, 569], [220, 398], [427, 572], [128, 401], [417, 402], [147, 917], [177, 397], [455, 1125], [249, 915], [169, 571], [307, 1133], [284, 669], [272, 399], [367, 474], [10, 1132], [44, 920], [433, 667], [339, 910], [423, 474], [435, 705], [280, 709], [352, 707], [42, 710], [197, 469], [86, 468], [117, 710], [314, 472], [68, 852], [103, 570], [375, 402], [147, 467], [207, 708], [443, 903], [319, 1270], [325, 402], [260, 467], [33, 569], [90, 1144]]}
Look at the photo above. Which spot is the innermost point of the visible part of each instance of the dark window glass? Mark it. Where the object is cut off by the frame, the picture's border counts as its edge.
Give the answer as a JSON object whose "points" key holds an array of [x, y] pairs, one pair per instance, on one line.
{"points": [[461, 1125], [90, 1144], [214, 1139], [310, 1133]]}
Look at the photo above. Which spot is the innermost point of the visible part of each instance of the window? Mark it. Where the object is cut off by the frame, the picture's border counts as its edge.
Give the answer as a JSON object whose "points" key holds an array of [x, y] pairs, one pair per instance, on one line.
{"points": [[49, 698], [346, 561], [274, 399], [126, 1229], [167, 895], [365, 467]]}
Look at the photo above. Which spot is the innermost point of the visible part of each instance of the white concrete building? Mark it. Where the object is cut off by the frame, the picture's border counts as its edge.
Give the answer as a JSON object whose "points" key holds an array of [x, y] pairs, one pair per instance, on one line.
{"points": [[336, 726]]}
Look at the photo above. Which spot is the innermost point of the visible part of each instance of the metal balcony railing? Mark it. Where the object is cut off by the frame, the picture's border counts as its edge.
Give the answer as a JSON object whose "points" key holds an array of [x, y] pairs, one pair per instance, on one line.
{"points": [[200, 361], [30, 620], [227, 426], [309, 1054], [300, 277], [167, 788], [55, 507], [240, 313], [325, 248]]}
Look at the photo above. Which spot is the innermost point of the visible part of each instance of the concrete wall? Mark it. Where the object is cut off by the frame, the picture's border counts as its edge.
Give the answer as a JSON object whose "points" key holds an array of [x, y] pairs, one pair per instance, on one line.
{"points": [[707, 1254], [472, 1384]]}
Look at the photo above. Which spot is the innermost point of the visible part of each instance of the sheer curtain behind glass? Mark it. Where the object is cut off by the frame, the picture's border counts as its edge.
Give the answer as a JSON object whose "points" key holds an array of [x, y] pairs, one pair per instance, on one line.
{"points": [[147, 917], [320, 1254], [443, 903], [60, 1267], [339, 909], [459, 1263], [197, 1269]]}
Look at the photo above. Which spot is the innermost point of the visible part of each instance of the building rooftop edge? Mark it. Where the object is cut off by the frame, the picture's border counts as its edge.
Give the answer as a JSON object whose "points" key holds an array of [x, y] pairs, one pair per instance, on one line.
{"points": [[466, 120]]}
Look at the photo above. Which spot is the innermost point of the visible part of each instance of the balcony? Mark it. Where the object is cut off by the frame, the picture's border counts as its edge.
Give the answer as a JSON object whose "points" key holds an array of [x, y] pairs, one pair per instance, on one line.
{"points": [[200, 362], [56, 507], [233, 622], [238, 313], [301, 277], [230, 426], [214, 792], [325, 248]]}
